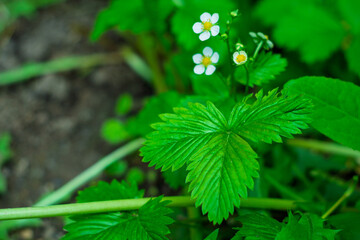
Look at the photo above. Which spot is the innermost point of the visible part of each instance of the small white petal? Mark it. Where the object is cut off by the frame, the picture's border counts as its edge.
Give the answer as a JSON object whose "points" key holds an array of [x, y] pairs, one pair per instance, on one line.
{"points": [[210, 70], [214, 18], [199, 69], [215, 57], [198, 27], [197, 58], [207, 51], [261, 35], [205, 17], [252, 34], [270, 44], [204, 36], [215, 30], [235, 56]]}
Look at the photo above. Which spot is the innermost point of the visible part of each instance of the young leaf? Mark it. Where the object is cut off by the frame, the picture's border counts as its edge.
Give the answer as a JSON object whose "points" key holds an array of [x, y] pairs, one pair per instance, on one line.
{"points": [[309, 227], [221, 163], [262, 70], [148, 223], [258, 226], [336, 113]]}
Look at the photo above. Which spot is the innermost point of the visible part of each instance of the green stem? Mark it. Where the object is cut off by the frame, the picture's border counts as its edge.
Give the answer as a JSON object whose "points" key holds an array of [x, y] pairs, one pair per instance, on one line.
{"points": [[232, 89], [128, 204], [346, 194], [324, 147], [257, 50]]}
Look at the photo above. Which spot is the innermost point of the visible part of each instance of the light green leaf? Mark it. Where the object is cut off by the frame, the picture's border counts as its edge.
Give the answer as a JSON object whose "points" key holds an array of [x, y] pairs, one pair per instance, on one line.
{"points": [[262, 70], [336, 113], [148, 223], [124, 104], [257, 226], [213, 235], [221, 163], [302, 25], [114, 131]]}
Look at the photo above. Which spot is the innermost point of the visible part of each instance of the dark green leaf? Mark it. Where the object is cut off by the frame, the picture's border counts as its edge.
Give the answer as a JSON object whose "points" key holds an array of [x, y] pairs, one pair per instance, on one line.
{"points": [[175, 179], [336, 113], [349, 224], [213, 235]]}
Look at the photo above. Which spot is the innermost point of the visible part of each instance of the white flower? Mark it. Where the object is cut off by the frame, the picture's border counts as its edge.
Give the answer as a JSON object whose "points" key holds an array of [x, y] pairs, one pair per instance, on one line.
{"points": [[207, 26], [205, 61], [240, 57]]}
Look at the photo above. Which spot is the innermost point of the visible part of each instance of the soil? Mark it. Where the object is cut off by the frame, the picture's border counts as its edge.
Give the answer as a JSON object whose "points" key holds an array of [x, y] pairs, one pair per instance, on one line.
{"points": [[55, 120]]}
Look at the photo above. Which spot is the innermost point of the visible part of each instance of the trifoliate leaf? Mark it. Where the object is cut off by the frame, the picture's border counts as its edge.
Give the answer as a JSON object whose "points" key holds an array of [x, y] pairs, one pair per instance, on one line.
{"points": [[175, 179], [148, 223], [262, 70], [302, 25], [140, 125], [336, 107], [213, 235], [124, 104], [220, 162], [309, 227], [104, 191], [257, 226]]}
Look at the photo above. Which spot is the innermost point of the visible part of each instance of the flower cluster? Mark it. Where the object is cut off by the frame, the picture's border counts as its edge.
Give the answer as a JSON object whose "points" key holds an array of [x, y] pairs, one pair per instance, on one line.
{"points": [[260, 37]]}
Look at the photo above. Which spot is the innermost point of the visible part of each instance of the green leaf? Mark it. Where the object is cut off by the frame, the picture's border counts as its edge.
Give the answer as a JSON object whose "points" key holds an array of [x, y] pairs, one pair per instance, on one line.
{"points": [[349, 223], [220, 162], [114, 131], [262, 70], [124, 104], [350, 11], [213, 235], [258, 226], [104, 191], [213, 86], [302, 25], [309, 227], [148, 223], [140, 125], [336, 113], [135, 16]]}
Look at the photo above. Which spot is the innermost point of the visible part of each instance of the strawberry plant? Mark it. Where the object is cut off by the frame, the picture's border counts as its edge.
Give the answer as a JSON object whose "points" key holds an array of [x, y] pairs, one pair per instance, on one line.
{"points": [[221, 131]]}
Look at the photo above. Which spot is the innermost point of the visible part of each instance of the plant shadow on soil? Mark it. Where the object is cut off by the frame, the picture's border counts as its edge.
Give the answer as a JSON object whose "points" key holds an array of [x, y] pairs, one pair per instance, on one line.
{"points": [[55, 120]]}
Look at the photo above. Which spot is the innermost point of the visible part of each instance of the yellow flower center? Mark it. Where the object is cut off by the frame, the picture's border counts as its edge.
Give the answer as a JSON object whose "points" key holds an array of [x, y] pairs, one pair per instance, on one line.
{"points": [[240, 58], [267, 37], [207, 26], [206, 61]]}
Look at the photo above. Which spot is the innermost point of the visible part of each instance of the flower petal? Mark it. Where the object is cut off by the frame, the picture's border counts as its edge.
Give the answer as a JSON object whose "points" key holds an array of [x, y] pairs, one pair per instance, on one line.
{"points": [[204, 36], [207, 51], [199, 69], [198, 27], [197, 58], [235, 56], [210, 70], [205, 17], [215, 57], [214, 18], [270, 44], [215, 30]]}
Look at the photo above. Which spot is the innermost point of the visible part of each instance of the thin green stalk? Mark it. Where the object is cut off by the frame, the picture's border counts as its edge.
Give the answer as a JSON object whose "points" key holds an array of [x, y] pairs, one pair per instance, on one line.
{"points": [[64, 193], [232, 79], [324, 147], [128, 204], [257, 50], [346, 194]]}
